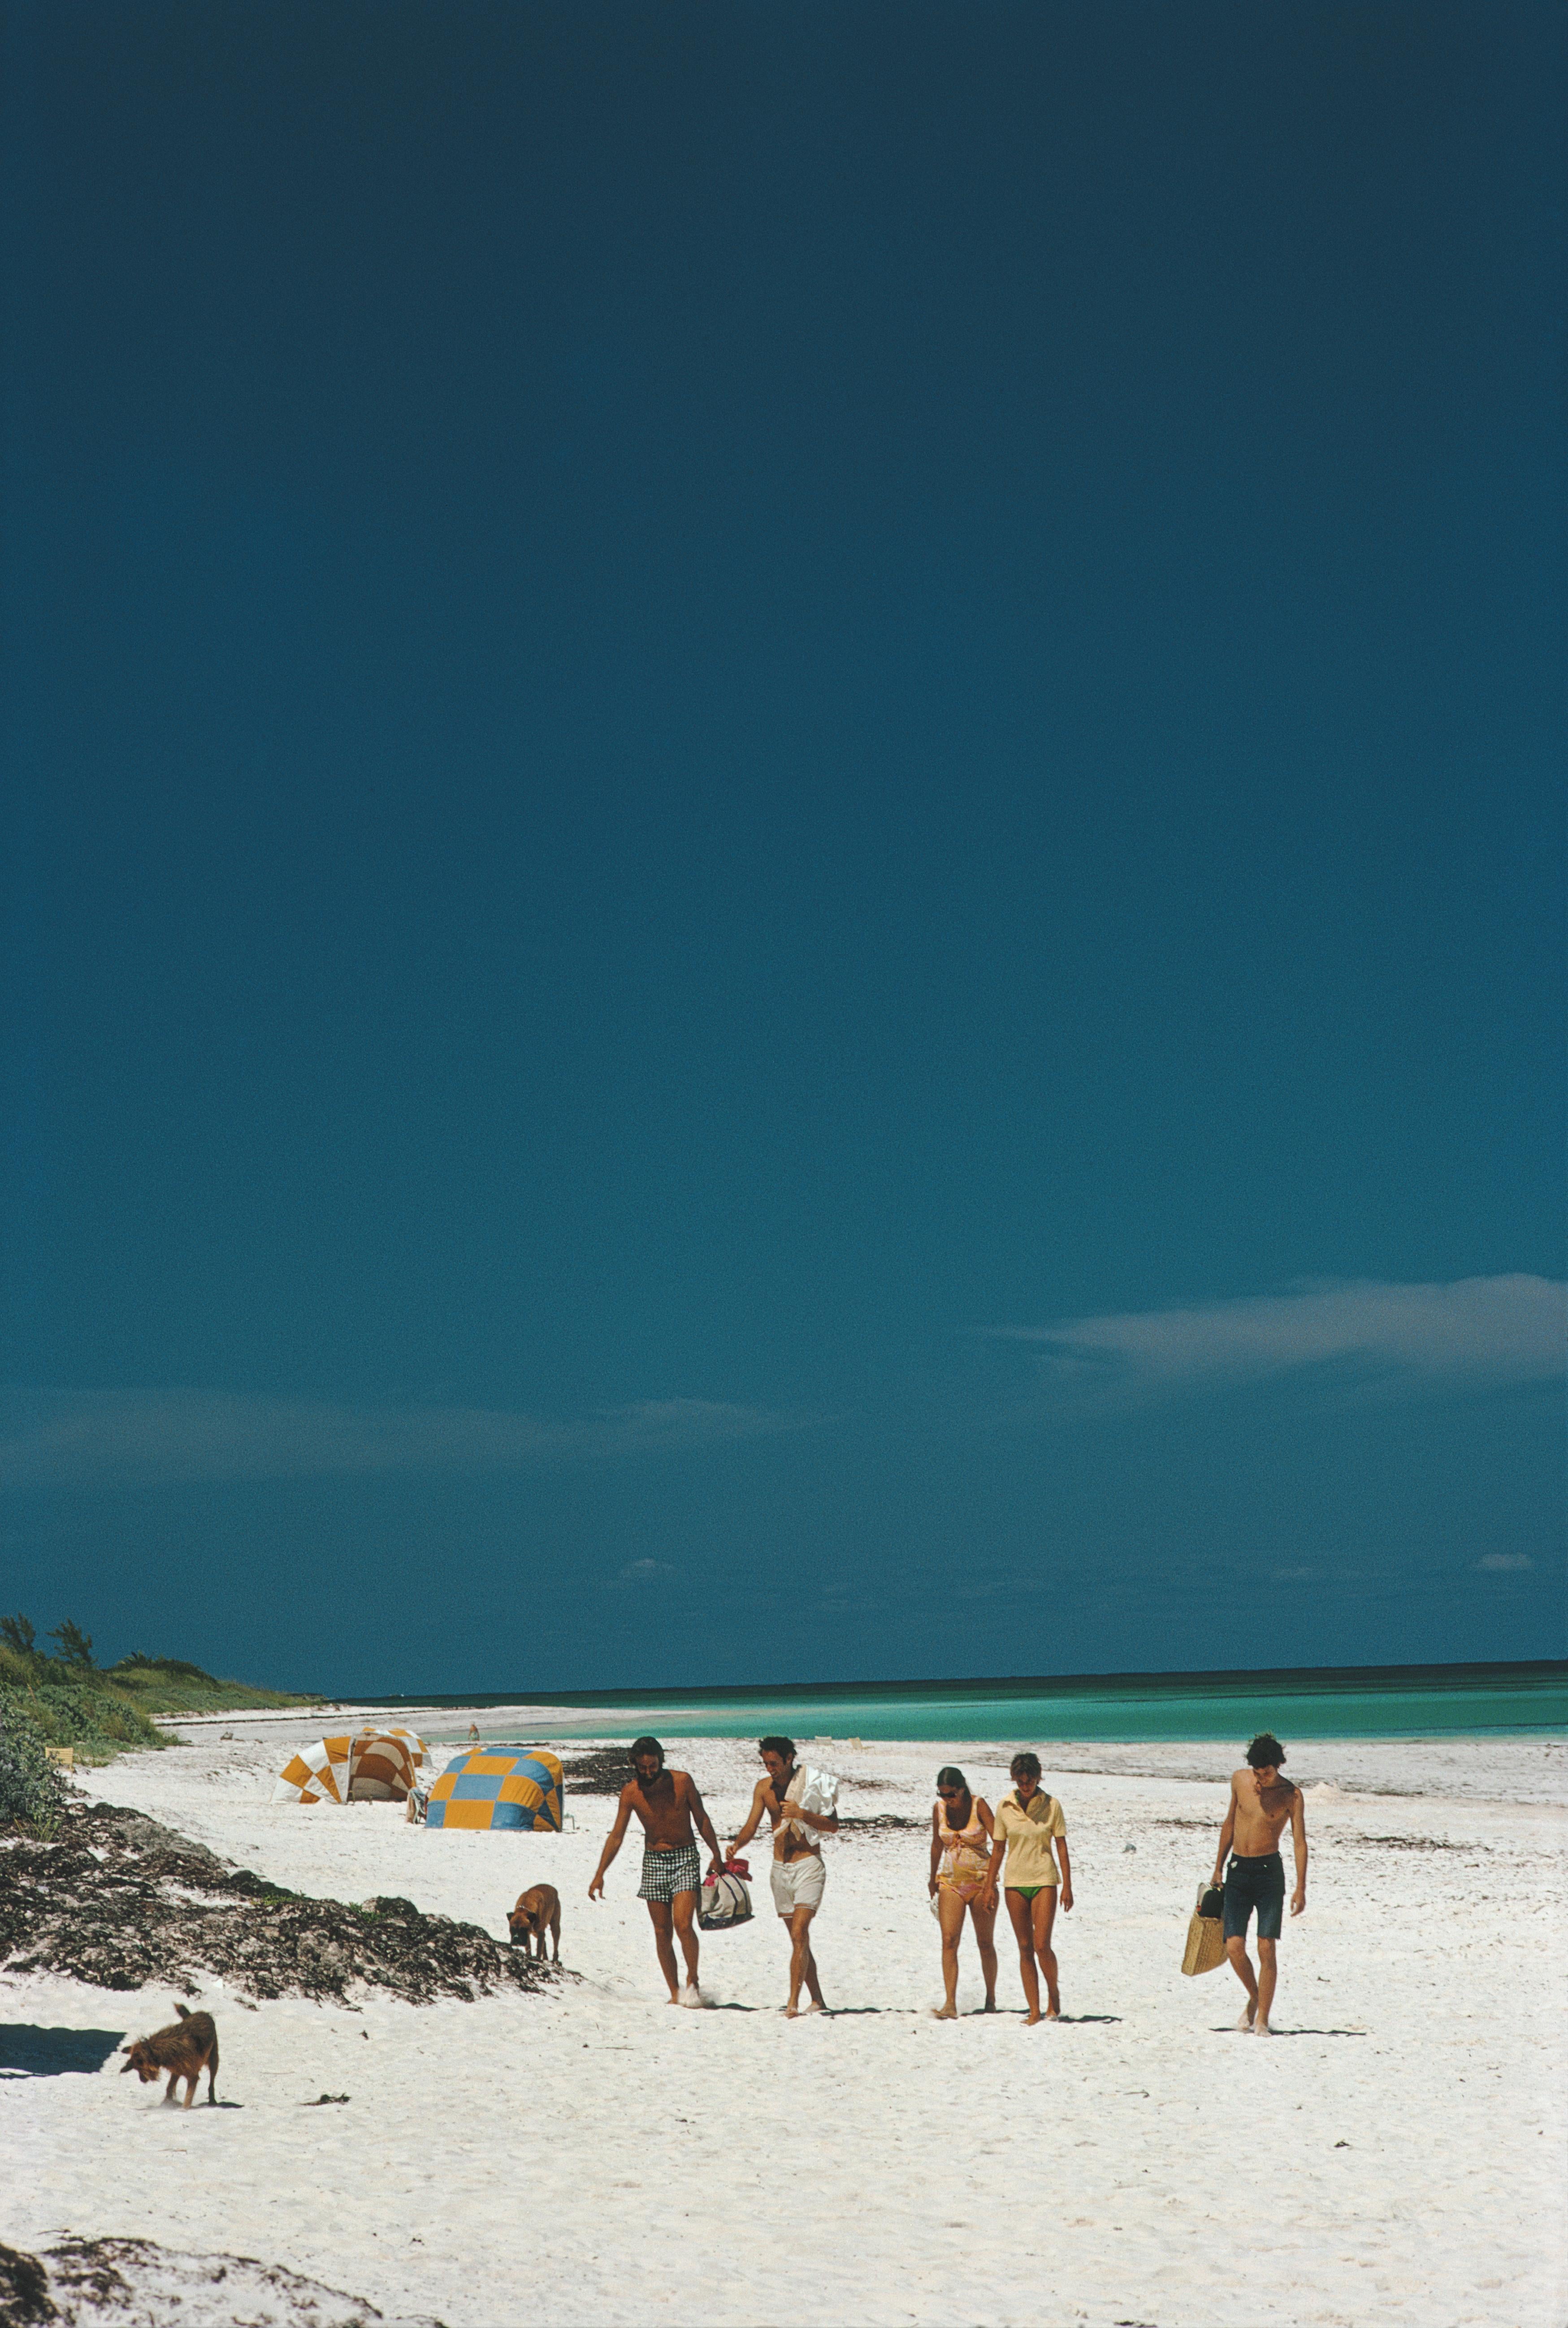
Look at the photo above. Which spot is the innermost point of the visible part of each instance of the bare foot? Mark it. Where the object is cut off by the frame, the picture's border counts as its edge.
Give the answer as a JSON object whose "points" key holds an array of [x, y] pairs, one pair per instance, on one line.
{"points": [[816, 2007], [693, 1996], [990, 2004], [1262, 2029], [1030, 2019], [947, 2012], [1055, 2014], [1248, 2017]]}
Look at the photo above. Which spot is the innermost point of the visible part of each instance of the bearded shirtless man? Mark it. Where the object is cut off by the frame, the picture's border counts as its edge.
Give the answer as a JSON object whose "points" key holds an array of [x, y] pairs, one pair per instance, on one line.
{"points": [[798, 1873], [666, 1801], [1260, 1802]]}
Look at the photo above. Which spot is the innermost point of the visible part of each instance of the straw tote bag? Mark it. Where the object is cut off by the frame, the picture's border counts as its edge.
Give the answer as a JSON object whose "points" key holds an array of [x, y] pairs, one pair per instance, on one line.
{"points": [[1205, 1948]]}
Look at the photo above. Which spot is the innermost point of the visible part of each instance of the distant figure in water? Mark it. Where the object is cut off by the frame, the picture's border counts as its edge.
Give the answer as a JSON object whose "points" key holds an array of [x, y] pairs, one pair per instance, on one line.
{"points": [[666, 1801], [474, 1733], [1027, 1823], [1260, 1802], [961, 1829]]}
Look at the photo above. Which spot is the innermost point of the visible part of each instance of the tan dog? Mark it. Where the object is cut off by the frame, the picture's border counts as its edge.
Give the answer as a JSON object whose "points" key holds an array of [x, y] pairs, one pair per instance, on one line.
{"points": [[537, 1912], [185, 2048]]}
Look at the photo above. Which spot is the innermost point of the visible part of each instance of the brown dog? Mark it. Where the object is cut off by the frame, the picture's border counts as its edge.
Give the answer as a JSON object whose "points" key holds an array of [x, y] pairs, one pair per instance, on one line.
{"points": [[185, 2048], [537, 1912]]}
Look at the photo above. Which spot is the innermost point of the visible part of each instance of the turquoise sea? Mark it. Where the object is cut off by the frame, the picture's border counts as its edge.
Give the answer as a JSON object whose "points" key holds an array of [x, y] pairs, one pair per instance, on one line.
{"points": [[1476, 1700]]}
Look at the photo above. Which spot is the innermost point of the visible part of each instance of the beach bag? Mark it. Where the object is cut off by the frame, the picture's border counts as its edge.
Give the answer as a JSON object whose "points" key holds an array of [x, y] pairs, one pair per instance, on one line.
{"points": [[726, 1899], [1205, 1948]]}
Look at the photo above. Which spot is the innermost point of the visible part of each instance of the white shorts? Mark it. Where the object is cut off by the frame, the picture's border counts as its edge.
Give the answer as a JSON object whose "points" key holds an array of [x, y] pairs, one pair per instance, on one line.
{"points": [[798, 1882]]}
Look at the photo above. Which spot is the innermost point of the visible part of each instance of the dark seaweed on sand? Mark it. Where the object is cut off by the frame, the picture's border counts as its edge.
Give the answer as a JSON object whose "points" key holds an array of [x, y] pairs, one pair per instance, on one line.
{"points": [[603, 1771], [134, 2280], [117, 1900]]}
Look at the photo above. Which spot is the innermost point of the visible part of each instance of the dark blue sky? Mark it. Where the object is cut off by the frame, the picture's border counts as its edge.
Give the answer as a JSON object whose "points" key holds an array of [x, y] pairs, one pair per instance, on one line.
{"points": [[784, 837]]}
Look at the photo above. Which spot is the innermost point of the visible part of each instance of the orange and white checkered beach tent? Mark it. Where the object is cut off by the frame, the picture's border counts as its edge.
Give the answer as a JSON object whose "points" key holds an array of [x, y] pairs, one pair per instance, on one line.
{"points": [[373, 1766]]}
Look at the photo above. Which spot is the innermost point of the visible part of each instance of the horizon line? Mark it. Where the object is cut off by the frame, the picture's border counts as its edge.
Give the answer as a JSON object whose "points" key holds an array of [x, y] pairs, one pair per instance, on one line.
{"points": [[1279, 1677]]}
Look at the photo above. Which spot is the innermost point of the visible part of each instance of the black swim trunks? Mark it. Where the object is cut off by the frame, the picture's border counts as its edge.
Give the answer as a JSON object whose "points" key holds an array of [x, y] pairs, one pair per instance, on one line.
{"points": [[1257, 1883]]}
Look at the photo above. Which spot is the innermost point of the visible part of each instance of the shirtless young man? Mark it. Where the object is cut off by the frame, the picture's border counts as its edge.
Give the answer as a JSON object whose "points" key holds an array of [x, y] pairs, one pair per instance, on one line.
{"points": [[1261, 1803], [798, 1873], [666, 1801]]}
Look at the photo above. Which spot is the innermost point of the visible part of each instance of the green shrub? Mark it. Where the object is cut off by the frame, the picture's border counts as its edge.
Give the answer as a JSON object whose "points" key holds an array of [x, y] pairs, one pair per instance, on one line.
{"points": [[57, 1713], [75, 1646], [18, 1667], [91, 1718], [71, 1701], [176, 1668], [29, 1785], [19, 1637]]}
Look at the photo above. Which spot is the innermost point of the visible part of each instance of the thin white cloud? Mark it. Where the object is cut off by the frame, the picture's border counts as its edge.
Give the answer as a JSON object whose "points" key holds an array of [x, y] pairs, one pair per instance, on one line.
{"points": [[1498, 1562], [138, 1437], [1478, 1329], [642, 1572]]}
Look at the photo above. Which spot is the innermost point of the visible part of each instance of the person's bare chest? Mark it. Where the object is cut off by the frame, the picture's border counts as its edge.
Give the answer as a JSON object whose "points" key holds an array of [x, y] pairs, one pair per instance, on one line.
{"points": [[1261, 1819], [664, 1815], [791, 1838]]}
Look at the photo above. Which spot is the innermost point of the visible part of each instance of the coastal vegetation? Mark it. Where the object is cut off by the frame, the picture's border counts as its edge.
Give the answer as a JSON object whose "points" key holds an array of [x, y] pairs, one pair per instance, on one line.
{"points": [[64, 1697], [30, 1787], [109, 1897]]}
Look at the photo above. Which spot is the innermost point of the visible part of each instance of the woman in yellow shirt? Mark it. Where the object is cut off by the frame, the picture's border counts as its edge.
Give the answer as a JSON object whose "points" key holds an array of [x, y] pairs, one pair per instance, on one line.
{"points": [[1025, 1827]]}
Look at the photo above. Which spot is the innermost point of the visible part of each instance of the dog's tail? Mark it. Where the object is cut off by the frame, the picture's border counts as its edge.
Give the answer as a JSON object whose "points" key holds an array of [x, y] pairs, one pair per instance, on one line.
{"points": [[182, 2012]]}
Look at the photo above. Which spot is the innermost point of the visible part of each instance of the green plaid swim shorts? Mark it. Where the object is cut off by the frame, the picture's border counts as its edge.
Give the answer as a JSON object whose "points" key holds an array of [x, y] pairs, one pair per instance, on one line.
{"points": [[665, 1872]]}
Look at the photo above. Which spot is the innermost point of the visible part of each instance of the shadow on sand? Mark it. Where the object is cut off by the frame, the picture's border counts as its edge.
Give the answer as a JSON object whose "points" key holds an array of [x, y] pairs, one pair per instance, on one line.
{"points": [[1229, 2029], [27, 2050], [178, 2106], [928, 2012]]}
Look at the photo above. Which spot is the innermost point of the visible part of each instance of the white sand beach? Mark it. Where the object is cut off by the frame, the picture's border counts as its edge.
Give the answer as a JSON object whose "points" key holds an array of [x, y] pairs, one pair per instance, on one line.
{"points": [[1396, 2154]]}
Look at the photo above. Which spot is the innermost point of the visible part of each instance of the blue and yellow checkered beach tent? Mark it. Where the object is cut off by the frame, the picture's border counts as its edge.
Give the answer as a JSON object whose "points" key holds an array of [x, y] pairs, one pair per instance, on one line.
{"points": [[499, 1787]]}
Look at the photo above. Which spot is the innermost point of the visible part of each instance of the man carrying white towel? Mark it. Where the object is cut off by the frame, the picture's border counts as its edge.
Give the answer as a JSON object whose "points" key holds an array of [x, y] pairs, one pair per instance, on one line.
{"points": [[801, 1814]]}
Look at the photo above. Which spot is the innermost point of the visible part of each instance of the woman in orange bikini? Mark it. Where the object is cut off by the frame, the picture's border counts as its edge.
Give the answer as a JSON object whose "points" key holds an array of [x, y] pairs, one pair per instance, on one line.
{"points": [[960, 1826]]}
